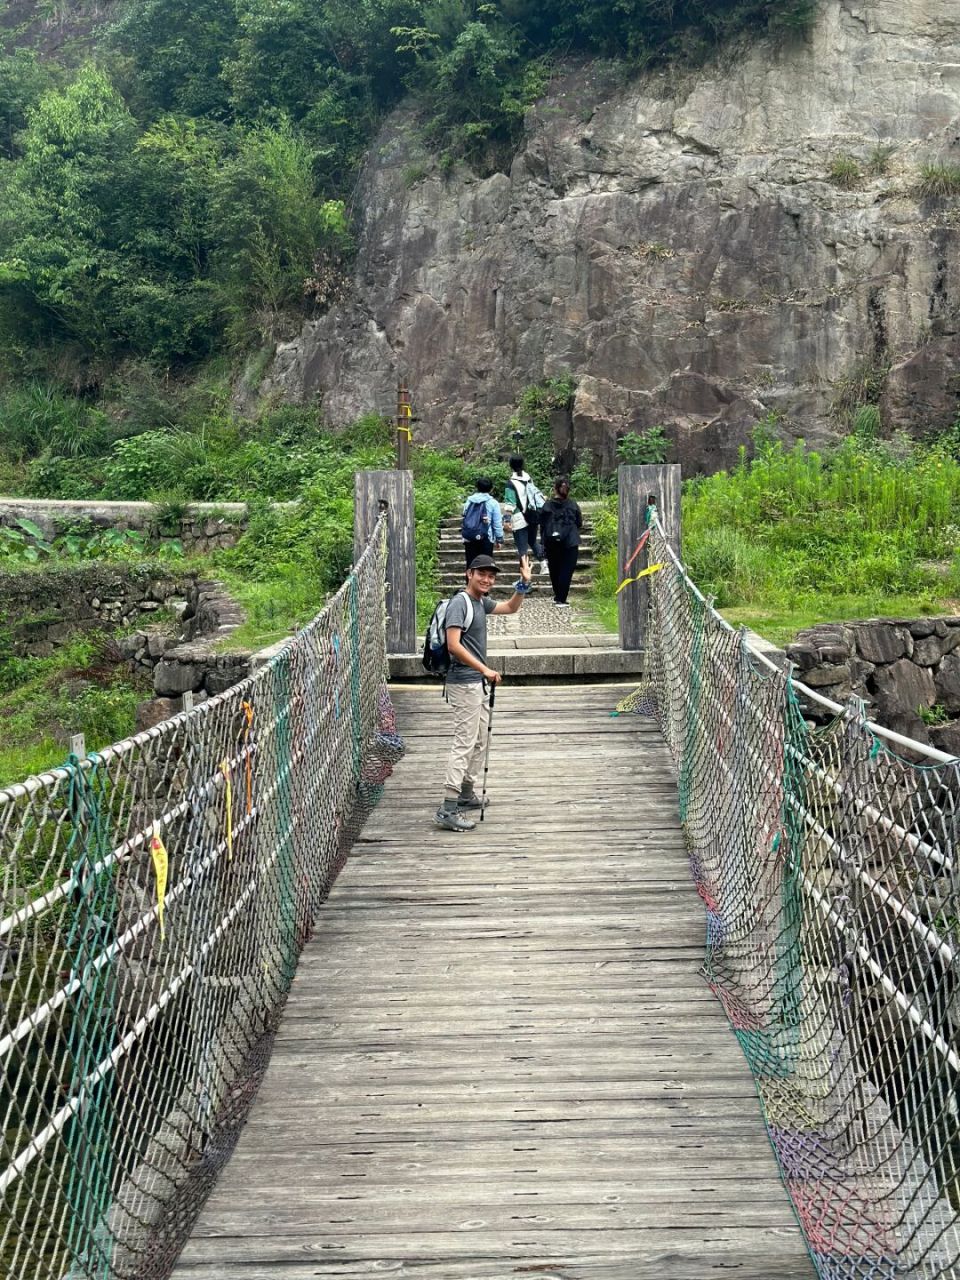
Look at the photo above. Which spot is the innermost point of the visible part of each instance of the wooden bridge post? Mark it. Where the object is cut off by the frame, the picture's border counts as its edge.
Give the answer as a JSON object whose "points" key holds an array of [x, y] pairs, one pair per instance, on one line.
{"points": [[637, 485], [395, 488]]}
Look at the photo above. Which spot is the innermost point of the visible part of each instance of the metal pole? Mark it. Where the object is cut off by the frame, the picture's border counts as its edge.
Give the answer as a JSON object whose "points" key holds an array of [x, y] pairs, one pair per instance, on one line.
{"points": [[486, 756], [404, 420]]}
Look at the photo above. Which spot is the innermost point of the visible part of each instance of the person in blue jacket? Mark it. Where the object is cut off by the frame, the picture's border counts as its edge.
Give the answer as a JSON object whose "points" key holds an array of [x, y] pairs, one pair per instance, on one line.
{"points": [[482, 527]]}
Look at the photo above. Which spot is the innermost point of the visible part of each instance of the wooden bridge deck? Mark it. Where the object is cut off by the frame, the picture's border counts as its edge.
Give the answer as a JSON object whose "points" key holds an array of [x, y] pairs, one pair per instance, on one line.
{"points": [[498, 1058]]}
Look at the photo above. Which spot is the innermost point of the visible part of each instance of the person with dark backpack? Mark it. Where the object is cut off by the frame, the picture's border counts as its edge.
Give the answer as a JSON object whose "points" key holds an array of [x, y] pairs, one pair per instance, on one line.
{"points": [[522, 501], [560, 525], [482, 524]]}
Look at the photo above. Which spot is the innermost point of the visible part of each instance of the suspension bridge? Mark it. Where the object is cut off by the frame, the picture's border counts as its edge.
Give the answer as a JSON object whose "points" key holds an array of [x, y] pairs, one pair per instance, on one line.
{"points": [[682, 1005]]}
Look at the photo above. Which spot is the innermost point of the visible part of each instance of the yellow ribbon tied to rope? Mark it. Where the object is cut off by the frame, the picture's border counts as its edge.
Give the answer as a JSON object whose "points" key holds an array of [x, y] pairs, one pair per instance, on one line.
{"points": [[161, 864], [225, 770], [248, 714], [654, 568]]}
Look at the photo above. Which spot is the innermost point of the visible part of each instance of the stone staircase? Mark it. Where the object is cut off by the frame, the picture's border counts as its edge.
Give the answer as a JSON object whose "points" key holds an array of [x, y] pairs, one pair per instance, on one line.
{"points": [[541, 642], [453, 562]]}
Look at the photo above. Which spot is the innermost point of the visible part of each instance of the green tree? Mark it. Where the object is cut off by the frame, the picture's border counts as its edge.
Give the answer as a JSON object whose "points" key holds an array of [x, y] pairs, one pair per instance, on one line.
{"points": [[270, 224], [176, 49], [106, 231], [23, 80]]}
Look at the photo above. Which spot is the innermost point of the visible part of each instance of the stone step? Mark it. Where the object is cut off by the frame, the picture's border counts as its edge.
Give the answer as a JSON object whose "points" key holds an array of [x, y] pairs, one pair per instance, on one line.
{"points": [[454, 522], [578, 640], [541, 584], [450, 528], [453, 561], [549, 661], [456, 545]]}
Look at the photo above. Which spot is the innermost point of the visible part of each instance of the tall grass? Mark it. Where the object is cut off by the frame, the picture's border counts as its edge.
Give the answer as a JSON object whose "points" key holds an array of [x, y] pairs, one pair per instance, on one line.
{"points": [[796, 536]]}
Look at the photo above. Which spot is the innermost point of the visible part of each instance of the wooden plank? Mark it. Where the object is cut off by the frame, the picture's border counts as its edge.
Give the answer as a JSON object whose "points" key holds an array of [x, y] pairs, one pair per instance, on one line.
{"points": [[499, 1055], [395, 490], [636, 486]]}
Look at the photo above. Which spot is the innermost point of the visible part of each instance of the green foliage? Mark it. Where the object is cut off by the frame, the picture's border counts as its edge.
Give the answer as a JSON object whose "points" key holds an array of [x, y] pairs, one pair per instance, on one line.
{"points": [[290, 558], [23, 80], [476, 91], [154, 241], [866, 423], [270, 226], [37, 418], [845, 172], [174, 52], [45, 700], [939, 180], [937, 714], [639, 448], [23, 542], [795, 526]]}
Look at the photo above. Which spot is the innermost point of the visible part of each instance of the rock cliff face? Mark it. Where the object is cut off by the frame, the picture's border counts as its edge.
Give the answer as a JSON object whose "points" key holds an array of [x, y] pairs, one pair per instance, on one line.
{"points": [[677, 243]]}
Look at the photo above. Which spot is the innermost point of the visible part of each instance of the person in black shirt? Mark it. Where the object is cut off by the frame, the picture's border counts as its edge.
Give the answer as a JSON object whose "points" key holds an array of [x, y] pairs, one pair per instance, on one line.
{"points": [[560, 525]]}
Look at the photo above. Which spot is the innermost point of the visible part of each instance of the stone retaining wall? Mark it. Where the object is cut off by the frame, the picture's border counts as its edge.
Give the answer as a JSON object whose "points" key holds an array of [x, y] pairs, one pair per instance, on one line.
{"points": [[201, 527], [898, 666], [42, 609]]}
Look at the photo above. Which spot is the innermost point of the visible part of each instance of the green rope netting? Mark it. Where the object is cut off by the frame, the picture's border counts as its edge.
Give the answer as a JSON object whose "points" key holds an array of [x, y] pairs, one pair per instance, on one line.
{"points": [[829, 870], [154, 900]]}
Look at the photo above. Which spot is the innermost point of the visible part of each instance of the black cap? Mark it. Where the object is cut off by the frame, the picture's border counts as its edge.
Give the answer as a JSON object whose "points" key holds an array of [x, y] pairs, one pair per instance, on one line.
{"points": [[483, 562]]}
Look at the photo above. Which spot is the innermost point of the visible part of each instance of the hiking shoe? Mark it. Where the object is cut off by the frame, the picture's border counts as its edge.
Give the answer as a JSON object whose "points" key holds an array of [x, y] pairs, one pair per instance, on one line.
{"points": [[544, 569], [453, 820], [472, 801]]}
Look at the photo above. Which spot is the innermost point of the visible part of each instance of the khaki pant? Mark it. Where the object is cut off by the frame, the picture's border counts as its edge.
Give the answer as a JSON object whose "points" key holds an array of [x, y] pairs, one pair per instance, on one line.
{"points": [[471, 716]]}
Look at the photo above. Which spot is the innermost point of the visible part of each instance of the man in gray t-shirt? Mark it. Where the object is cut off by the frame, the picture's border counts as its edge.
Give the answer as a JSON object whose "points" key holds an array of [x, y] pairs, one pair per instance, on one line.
{"points": [[470, 617], [467, 682]]}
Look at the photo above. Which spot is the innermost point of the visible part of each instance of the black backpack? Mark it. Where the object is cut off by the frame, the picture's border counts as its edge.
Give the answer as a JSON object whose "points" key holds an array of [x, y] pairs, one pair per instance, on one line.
{"points": [[562, 526]]}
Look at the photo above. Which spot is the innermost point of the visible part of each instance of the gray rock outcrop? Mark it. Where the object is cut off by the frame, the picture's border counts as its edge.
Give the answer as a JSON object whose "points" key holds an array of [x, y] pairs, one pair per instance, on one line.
{"points": [[677, 244]]}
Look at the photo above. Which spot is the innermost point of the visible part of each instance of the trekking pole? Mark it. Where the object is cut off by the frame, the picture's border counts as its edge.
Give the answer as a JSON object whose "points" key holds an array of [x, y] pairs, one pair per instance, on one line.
{"points": [[486, 757]]}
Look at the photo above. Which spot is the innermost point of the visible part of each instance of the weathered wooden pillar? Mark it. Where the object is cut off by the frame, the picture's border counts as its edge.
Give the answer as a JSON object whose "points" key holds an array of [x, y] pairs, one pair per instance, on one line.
{"points": [[638, 486], [395, 488]]}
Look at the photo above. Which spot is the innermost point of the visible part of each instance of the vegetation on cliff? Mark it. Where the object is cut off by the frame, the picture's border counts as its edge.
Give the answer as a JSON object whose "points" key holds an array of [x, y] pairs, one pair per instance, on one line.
{"points": [[192, 184]]}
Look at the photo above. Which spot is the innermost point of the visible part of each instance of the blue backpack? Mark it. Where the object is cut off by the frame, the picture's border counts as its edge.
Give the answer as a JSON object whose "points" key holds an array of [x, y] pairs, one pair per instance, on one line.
{"points": [[476, 522]]}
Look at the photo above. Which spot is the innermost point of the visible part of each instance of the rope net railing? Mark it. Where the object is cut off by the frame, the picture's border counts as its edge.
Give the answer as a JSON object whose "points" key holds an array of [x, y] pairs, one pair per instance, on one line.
{"points": [[827, 862], [154, 899]]}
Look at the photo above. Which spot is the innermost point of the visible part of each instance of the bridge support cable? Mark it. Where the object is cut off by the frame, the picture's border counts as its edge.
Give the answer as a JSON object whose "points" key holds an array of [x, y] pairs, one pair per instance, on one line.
{"points": [[153, 902], [827, 864]]}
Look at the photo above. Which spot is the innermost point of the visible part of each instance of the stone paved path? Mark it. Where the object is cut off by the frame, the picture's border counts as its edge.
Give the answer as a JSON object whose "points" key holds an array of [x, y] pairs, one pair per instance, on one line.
{"points": [[541, 617]]}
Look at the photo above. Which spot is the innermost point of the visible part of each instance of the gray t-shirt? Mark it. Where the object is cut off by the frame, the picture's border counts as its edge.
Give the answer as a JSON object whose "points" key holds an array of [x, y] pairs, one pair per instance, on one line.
{"points": [[473, 638]]}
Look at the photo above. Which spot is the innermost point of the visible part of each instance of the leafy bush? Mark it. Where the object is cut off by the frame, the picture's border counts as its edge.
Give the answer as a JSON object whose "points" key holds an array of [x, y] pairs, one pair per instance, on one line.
{"points": [[638, 448]]}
